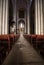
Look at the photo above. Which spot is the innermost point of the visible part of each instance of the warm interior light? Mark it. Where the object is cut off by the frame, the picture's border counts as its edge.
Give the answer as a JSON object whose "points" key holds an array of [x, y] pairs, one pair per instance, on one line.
{"points": [[21, 25]]}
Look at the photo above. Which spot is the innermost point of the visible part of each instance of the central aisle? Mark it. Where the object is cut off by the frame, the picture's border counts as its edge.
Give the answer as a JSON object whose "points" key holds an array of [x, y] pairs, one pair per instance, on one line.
{"points": [[23, 53]]}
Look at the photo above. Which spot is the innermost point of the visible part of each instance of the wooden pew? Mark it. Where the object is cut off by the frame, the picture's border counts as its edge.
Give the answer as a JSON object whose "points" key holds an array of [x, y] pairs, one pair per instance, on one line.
{"points": [[5, 45], [2, 54], [5, 41], [12, 39], [40, 44], [33, 40], [37, 42], [8, 40]]}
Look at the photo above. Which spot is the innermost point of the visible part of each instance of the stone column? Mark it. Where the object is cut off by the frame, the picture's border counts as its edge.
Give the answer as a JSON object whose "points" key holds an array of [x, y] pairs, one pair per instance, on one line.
{"points": [[28, 21], [15, 13], [41, 11], [25, 26], [0, 15], [6, 17], [25, 21], [39, 23], [36, 19], [3, 17]]}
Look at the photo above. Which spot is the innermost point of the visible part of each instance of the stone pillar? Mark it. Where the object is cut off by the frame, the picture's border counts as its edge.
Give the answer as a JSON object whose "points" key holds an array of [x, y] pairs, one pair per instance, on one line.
{"points": [[28, 26], [39, 23], [0, 15], [16, 14], [3, 16], [25, 21], [41, 11], [6, 17], [25, 26], [38, 17], [14, 11]]}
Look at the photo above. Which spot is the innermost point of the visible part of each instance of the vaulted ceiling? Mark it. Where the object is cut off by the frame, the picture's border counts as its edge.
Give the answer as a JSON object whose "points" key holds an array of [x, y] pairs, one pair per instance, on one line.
{"points": [[21, 3]]}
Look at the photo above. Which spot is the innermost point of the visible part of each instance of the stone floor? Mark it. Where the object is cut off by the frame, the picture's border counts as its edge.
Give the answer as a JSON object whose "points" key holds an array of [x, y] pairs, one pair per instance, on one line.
{"points": [[23, 53]]}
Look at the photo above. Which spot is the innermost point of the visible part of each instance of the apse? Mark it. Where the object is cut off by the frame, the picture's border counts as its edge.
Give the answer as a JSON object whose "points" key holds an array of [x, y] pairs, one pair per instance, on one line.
{"points": [[21, 27]]}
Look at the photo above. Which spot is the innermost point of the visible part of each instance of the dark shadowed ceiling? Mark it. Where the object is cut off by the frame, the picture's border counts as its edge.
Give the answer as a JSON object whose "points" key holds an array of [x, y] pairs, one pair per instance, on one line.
{"points": [[21, 3]]}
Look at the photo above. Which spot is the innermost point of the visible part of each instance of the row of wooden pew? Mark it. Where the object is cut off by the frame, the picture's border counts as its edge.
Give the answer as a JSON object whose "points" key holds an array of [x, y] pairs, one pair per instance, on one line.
{"points": [[6, 43], [37, 41]]}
